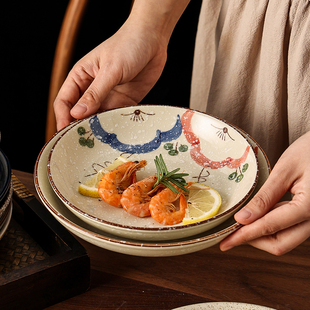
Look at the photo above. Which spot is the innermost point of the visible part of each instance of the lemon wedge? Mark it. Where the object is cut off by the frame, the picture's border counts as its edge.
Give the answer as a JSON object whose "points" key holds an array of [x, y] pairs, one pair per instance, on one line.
{"points": [[90, 186], [203, 202], [118, 161]]}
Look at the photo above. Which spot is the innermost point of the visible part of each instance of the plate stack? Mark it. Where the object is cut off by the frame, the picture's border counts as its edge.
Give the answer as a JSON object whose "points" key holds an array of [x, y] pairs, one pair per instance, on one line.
{"points": [[6, 192], [212, 151]]}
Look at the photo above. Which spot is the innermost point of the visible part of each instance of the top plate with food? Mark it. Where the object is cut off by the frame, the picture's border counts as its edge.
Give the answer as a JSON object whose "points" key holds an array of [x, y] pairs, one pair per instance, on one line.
{"points": [[203, 148]]}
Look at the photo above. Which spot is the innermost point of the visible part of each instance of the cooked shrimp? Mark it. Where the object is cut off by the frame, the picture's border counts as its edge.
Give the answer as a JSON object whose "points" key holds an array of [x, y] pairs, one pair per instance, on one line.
{"points": [[164, 211], [112, 184], [136, 198]]}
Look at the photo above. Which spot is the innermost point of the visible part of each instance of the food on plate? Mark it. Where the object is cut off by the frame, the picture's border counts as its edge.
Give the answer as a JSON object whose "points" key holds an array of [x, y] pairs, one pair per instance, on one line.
{"points": [[117, 162], [164, 211], [90, 186], [166, 196], [169, 178], [136, 198], [112, 184], [203, 202]]}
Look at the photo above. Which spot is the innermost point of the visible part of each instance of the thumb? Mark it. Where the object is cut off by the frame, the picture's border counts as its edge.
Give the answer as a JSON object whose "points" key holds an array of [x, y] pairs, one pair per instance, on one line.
{"points": [[268, 195]]}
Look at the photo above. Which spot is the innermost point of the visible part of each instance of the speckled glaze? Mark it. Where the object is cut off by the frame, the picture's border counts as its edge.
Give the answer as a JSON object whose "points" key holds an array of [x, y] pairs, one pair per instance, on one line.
{"points": [[212, 151], [224, 306], [122, 245]]}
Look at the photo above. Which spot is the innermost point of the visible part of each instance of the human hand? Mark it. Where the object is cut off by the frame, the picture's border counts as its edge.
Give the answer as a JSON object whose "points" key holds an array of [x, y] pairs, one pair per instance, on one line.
{"points": [[119, 72], [273, 226]]}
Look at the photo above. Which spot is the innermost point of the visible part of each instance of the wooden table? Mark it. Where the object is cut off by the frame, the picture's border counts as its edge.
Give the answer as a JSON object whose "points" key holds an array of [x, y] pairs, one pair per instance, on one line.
{"points": [[243, 274]]}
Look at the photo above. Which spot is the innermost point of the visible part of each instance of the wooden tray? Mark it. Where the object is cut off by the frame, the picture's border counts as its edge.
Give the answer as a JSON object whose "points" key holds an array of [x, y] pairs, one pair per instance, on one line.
{"points": [[41, 263]]}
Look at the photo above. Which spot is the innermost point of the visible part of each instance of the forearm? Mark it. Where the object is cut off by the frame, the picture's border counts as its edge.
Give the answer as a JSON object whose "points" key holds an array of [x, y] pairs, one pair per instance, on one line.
{"points": [[158, 16]]}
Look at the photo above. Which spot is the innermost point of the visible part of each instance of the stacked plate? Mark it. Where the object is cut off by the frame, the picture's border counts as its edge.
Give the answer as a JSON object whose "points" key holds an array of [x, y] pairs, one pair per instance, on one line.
{"points": [[6, 192], [223, 306], [211, 150]]}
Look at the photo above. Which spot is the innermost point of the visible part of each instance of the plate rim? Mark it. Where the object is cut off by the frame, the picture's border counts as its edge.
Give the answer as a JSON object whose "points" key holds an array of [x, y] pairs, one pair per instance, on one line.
{"points": [[7, 181], [224, 303], [6, 222]]}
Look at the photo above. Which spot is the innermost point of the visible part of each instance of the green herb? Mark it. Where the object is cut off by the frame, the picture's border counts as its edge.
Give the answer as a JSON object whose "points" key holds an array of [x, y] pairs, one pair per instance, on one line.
{"points": [[168, 178]]}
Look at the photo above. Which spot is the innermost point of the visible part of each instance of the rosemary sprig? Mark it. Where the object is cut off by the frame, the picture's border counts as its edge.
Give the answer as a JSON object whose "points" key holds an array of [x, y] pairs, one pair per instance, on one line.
{"points": [[168, 178]]}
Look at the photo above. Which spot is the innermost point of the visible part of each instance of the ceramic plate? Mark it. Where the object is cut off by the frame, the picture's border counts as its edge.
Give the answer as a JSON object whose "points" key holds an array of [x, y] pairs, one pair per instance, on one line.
{"points": [[6, 202], [6, 215], [124, 245], [212, 151], [5, 175], [223, 306], [7, 221]]}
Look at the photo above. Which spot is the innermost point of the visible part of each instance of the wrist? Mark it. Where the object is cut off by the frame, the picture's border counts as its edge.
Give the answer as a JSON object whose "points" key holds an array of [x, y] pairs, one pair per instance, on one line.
{"points": [[158, 17]]}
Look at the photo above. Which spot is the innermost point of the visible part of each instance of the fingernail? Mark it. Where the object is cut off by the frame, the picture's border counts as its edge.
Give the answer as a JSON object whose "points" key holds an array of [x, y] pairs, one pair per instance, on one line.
{"points": [[243, 214], [79, 108], [226, 247]]}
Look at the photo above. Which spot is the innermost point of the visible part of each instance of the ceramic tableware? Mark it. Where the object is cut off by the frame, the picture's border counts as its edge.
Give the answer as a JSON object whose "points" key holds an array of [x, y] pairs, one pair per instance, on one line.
{"points": [[224, 306], [211, 150], [124, 245], [5, 176]]}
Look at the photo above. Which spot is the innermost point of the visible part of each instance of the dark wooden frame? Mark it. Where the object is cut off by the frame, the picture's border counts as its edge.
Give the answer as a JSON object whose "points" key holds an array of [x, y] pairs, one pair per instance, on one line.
{"points": [[64, 274]]}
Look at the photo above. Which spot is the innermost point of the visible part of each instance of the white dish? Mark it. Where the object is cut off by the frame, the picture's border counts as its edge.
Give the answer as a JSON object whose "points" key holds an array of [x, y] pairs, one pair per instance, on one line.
{"points": [[132, 130], [223, 306], [123, 245]]}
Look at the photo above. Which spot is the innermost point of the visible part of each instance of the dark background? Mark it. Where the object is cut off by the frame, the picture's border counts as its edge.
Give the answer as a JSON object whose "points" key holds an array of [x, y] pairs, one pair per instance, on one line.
{"points": [[29, 32]]}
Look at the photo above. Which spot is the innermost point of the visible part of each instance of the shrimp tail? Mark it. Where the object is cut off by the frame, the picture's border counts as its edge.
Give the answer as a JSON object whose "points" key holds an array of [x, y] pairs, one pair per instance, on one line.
{"points": [[168, 207], [136, 198], [112, 184]]}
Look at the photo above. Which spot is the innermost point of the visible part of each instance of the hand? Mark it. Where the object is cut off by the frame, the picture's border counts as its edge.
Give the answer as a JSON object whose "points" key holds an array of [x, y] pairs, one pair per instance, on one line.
{"points": [[119, 72], [123, 69], [273, 226]]}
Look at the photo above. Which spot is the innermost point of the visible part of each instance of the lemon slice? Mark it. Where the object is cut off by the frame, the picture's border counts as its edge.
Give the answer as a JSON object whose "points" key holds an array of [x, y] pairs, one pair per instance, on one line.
{"points": [[118, 161], [203, 202], [90, 187]]}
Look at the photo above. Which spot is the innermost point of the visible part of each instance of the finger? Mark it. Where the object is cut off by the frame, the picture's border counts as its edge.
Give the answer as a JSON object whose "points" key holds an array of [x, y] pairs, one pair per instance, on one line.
{"points": [[106, 79], [284, 240], [116, 99], [268, 195], [291, 213], [62, 114], [68, 95]]}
